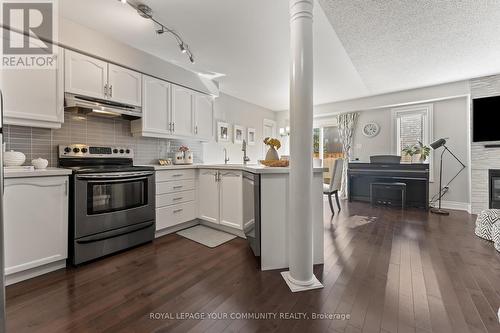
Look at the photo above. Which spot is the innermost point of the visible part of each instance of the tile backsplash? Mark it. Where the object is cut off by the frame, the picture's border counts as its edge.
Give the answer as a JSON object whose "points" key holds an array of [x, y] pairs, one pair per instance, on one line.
{"points": [[91, 130]]}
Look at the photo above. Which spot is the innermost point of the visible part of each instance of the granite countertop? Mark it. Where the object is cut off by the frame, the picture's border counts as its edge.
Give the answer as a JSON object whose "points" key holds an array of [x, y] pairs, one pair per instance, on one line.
{"points": [[49, 172], [253, 168]]}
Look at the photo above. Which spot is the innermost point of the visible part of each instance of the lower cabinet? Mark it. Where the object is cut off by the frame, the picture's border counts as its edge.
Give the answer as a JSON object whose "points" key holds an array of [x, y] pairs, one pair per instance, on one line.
{"points": [[220, 197], [175, 197], [35, 222]]}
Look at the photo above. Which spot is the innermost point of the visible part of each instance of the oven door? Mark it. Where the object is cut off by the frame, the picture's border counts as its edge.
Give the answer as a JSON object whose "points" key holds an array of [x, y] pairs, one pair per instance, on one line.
{"points": [[107, 201]]}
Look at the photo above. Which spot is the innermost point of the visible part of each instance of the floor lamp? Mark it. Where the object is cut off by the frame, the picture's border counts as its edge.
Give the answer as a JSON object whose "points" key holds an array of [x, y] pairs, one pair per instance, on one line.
{"points": [[435, 145]]}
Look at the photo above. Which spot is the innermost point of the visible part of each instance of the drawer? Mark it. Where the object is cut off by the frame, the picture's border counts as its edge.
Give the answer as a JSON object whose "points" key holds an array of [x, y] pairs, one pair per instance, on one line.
{"points": [[168, 175], [174, 198], [175, 186], [170, 216]]}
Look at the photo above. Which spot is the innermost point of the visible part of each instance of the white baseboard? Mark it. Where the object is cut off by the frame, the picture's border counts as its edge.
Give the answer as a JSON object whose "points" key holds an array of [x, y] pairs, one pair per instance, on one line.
{"points": [[456, 205], [35, 271]]}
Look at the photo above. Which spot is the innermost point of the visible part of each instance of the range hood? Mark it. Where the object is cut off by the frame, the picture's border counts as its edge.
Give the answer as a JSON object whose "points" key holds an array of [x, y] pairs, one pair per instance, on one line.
{"points": [[84, 105]]}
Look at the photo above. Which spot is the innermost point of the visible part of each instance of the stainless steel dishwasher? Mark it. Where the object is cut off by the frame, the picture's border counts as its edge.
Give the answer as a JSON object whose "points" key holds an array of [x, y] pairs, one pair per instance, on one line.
{"points": [[251, 210]]}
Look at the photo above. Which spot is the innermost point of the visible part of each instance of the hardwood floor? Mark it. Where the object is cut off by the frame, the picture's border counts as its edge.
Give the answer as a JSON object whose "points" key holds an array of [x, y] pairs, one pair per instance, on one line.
{"points": [[398, 272]]}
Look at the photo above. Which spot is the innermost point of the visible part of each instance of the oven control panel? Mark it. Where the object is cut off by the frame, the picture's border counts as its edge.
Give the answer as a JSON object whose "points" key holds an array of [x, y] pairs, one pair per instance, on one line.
{"points": [[84, 151]]}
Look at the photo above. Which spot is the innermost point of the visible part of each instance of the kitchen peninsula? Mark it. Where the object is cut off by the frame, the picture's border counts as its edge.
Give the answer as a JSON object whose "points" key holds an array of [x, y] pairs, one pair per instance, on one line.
{"points": [[250, 201]]}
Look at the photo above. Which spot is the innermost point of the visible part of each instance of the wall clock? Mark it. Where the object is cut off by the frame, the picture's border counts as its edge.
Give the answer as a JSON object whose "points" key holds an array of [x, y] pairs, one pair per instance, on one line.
{"points": [[371, 129]]}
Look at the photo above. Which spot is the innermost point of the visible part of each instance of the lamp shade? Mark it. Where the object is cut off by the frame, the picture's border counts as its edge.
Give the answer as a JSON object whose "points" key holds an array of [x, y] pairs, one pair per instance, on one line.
{"points": [[438, 143]]}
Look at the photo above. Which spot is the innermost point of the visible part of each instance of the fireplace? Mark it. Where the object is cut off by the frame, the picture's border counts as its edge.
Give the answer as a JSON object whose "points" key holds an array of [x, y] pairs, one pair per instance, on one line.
{"points": [[494, 182]]}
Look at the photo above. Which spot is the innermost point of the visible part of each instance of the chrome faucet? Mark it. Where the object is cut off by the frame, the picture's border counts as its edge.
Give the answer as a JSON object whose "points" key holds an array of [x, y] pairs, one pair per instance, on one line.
{"points": [[244, 149], [226, 159]]}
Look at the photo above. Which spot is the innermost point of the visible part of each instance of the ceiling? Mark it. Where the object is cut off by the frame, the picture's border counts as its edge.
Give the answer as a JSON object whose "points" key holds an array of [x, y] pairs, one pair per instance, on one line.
{"points": [[360, 47]]}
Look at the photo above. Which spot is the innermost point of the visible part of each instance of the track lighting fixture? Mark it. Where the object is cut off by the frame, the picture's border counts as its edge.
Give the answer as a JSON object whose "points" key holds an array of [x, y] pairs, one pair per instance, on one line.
{"points": [[182, 47], [146, 12]]}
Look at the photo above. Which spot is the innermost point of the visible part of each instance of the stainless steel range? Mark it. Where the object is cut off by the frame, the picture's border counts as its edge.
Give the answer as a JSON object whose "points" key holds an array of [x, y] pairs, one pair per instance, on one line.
{"points": [[112, 204]]}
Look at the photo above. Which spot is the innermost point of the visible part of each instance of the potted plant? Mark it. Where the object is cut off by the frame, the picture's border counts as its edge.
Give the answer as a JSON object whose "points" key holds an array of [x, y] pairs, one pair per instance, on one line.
{"points": [[410, 150], [274, 145], [423, 150]]}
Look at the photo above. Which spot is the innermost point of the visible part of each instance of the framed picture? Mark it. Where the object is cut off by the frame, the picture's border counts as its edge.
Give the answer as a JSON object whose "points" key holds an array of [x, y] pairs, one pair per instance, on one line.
{"points": [[222, 131], [239, 134], [251, 136]]}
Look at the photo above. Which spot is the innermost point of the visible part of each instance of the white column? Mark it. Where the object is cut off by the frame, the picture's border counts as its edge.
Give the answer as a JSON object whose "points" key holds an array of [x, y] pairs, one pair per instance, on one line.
{"points": [[300, 237]]}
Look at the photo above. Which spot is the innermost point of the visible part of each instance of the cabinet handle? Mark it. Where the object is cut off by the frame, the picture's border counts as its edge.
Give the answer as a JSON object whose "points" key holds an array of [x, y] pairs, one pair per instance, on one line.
{"points": [[179, 186], [173, 127], [196, 130], [178, 210], [106, 89], [177, 175], [179, 198], [111, 91]]}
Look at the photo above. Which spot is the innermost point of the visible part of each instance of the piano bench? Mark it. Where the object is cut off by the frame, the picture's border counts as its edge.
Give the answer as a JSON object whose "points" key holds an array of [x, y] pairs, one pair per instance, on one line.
{"points": [[388, 187]]}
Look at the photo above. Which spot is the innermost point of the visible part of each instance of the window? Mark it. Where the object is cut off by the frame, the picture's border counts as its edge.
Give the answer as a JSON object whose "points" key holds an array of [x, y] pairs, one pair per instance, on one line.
{"points": [[327, 146], [410, 125]]}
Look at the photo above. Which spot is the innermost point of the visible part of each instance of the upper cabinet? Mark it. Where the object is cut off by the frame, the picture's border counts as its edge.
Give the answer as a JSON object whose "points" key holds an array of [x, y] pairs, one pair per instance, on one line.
{"points": [[34, 97], [92, 77], [85, 75], [182, 111], [124, 85], [156, 119], [203, 117], [171, 111]]}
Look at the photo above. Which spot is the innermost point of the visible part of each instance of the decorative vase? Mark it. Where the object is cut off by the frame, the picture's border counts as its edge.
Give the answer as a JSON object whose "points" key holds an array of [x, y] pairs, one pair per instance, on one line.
{"points": [[272, 154], [13, 158], [40, 163]]}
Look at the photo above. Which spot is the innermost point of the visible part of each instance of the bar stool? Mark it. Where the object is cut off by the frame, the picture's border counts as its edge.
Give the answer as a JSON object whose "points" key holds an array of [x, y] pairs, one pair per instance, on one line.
{"points": [[388, 186]]}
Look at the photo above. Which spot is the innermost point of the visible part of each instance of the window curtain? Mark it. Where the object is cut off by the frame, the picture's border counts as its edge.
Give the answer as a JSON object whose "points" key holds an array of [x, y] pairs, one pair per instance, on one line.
{"points": [[347, 125]]}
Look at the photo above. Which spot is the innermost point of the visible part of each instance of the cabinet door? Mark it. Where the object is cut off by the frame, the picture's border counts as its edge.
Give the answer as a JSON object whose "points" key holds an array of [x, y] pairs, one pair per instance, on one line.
{"points": [[208, 194], [231, 201], [85, 75], [124, 85], [36, 222], [182, 111], [156, 107], [34, 97], [203, 106]]}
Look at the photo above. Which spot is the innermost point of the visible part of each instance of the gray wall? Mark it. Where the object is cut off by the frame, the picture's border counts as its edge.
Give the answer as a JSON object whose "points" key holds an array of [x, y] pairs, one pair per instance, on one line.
{"points": [[235, 111], [450, 120]]}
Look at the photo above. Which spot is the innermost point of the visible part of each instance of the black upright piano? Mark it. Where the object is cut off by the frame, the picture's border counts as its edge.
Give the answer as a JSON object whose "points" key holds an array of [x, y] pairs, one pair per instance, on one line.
{"points": [[415, 176]]}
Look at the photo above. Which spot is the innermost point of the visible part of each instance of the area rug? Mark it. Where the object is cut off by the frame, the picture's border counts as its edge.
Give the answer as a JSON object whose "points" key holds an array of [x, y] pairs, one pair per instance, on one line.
{"points": [[206, 236]]}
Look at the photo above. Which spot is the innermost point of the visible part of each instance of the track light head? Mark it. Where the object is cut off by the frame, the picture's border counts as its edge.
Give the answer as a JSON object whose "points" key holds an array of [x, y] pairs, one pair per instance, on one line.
{"points": [[191, 58], [160, 31], [144, 11], [182, 47], [123, 1]]}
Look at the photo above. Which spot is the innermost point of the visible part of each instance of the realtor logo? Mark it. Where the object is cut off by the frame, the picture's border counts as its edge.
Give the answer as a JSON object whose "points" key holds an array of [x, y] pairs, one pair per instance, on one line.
{"points": [[29, 28]]}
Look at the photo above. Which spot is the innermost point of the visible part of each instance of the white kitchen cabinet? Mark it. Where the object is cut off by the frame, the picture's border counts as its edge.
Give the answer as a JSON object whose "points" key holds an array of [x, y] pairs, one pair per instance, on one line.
{"points": [[221, 197], [35, 222], [203, 117], [231, 201], [91, 77], [156, 118], [34, 97], [85, 75], [124, 85], [175, 198], [208, 194], [182, 111]]}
